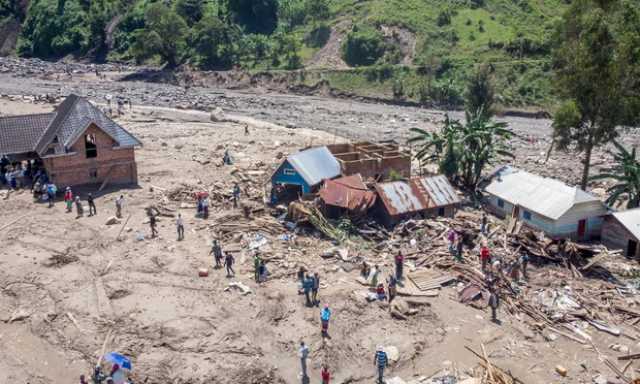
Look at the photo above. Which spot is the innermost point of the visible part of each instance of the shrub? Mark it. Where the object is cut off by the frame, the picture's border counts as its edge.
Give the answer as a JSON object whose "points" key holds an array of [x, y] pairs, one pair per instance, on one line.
{"points": [[318, 36], [363, 46]]}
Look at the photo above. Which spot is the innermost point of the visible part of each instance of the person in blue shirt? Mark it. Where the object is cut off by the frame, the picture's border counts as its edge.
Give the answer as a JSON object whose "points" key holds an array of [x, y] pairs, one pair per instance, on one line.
{"points": [[381, 361], [307, 286], [325, 316]]}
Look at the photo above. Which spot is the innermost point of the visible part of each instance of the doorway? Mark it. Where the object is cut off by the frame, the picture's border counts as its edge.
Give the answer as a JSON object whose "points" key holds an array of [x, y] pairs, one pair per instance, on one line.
{"points": [[632, 247], [582, 229]]}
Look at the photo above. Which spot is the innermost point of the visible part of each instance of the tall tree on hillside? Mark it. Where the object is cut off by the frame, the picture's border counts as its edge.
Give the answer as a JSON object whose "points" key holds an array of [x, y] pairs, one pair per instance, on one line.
{"points": [[256, 16], [593, 74], [212, 41], [190, 10], [626, 173], [164, 35], [480, 94]]}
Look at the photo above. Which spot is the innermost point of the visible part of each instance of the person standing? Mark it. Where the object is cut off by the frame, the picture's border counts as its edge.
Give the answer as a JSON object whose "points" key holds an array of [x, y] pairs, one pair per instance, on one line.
{"points": [[92, 205], [315, 289], [375, 272], [216, 250], [524, 262], [483, 226], [303, 353], [381, 361], [451, 237], [485, 257], [153, 222], [79, 209], [205, 208], [459, 246], [324, 373], [392, 287], [236, 195], [399, 264], [325, 316], [68, 198], [119, 206], [228, 263], [494, 303], [256, 266], [262, 272], [307, 286], [83, 380], [51, 193], [180, 227]]}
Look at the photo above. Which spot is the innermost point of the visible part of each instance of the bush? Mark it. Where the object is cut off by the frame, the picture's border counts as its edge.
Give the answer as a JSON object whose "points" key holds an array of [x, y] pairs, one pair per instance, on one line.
{"points": [[444, 18], [256, 16], [363, 46], [318, 36]]}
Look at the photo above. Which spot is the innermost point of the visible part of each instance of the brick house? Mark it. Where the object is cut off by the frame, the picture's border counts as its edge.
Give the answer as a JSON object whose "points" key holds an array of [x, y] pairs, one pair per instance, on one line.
{"points": [[77, 144]]}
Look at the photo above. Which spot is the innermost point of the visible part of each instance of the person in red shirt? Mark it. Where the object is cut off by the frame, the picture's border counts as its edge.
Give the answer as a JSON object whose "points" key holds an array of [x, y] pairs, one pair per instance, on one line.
{"points": [[68, 199], [399, 264], [326, 376], [485, 257]]}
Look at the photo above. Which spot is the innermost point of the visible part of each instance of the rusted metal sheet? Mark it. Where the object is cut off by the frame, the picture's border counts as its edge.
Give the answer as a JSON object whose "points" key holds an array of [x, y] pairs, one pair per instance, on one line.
{"points": [[401, 197], [347, 192]]}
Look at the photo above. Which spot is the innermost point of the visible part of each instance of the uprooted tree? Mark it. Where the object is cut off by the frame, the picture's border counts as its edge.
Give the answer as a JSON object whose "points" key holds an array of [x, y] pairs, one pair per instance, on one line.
{"points": [[594, 74]]}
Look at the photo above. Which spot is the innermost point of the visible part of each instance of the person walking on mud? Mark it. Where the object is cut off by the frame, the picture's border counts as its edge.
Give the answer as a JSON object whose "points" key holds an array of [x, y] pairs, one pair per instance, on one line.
{"points": [[307, 286], [236, 195], [256, 266], [68, 199], [494, 303], [228, 263], [180, 227], [153, 222], [485, 257], [399, 260], [324, 374], [119, 206], [391, 284], [303, 353], [92, 205], [325, 316], [315, 289], [381, 361], [216, 251], [79, 209]]}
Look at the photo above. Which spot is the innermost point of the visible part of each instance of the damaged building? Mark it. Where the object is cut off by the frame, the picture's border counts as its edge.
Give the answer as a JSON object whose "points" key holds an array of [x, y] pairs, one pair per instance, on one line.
{"points": [[546, 204], [417, 198], [377, 161], [346, 196], [76, 143], [621, 230]]}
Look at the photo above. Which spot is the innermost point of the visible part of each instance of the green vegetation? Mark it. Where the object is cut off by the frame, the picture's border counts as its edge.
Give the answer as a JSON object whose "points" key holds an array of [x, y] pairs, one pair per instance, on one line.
{"points": [[444, 41], [626, 173]]}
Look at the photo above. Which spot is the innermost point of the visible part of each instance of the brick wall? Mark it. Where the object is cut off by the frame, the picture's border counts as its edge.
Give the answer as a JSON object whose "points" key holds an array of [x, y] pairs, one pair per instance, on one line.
{"points": [[76, 169]]}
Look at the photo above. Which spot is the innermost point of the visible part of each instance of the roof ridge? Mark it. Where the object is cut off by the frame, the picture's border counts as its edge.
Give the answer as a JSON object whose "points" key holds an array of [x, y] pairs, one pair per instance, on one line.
{"points": [[27, 115]]}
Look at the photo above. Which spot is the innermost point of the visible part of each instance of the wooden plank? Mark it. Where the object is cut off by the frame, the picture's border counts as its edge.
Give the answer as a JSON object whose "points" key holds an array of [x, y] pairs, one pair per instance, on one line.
{"points": [[106, 179], [633, 356]]}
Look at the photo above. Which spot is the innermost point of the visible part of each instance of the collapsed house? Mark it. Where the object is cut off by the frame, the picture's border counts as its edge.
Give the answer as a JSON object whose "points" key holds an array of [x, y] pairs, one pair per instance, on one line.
{"points": [[346, 196], [621, 230], [77, 144], [546, 204], [416, 198], [372, 161], [302, 173]]}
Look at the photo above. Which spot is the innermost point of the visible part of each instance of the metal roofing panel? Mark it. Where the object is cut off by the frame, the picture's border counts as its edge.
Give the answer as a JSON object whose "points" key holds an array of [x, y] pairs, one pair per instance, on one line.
{"points": [[439, 190], [548, 197], [19, 134], [347, 192], [315, 165], [399, 198], [630, 219]]}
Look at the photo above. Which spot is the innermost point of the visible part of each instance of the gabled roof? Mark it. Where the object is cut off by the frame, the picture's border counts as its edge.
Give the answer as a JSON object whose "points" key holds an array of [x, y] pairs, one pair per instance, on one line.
{"points": [[19, 134], [401, 197], [34, 133], [547, 197], [315, 165], [629, 219], [73, 116], [348, 192]]}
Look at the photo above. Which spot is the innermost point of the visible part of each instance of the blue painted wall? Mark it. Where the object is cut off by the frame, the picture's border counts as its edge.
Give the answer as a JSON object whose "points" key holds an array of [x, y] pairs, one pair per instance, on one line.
{"points": [[286, 174]]}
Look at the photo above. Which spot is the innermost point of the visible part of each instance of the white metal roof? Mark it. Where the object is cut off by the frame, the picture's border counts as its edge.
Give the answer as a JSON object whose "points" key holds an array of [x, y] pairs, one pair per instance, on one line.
{"points": [[315, 165], [630, 219], [548, 197]]}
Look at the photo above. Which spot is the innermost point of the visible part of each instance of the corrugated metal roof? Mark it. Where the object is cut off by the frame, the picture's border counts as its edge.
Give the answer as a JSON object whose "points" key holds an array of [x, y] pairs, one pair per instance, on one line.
{"points": [[400, 197], [348, 192], [73, 116], [20, 134], [630, 219], [315, 165], [548, 197]]}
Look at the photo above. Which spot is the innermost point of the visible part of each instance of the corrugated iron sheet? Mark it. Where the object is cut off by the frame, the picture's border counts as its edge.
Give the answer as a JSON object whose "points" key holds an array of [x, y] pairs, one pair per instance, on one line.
{"points": [[315, 165], [348, 192], [400, 197]]}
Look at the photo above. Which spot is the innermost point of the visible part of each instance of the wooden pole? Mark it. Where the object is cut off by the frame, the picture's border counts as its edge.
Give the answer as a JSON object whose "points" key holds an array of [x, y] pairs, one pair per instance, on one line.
{"points": [[123, 225]]}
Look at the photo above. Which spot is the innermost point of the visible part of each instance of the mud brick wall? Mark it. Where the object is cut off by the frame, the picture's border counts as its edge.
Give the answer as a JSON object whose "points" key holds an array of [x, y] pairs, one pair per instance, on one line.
{"points": [[76, 169]]}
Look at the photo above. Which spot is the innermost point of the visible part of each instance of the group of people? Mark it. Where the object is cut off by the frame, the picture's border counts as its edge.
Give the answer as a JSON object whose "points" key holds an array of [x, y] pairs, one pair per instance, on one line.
{"points": [[309, 285], [70, 200], [219, 255], [372, 276], [21, 174]]}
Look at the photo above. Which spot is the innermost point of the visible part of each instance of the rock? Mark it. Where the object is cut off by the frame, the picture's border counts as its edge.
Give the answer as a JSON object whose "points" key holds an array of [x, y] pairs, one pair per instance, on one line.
{"points": [[217, 115], [392, 353], [112, 221], [562, 371]]}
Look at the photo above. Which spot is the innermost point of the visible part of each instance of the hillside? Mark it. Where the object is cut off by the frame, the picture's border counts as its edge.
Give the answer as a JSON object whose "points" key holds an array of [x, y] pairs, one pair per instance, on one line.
{"points": [[415, 50]]}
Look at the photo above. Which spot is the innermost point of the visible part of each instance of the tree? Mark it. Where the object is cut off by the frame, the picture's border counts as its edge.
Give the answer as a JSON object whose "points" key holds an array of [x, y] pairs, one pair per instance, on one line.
{"points": [[190, 10], [213, 44], [462, 151], [164, 34], [363, 46], [256, 16], [99, 15], [593, 74], [479, 96], [626, 173], [14, 8]]}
